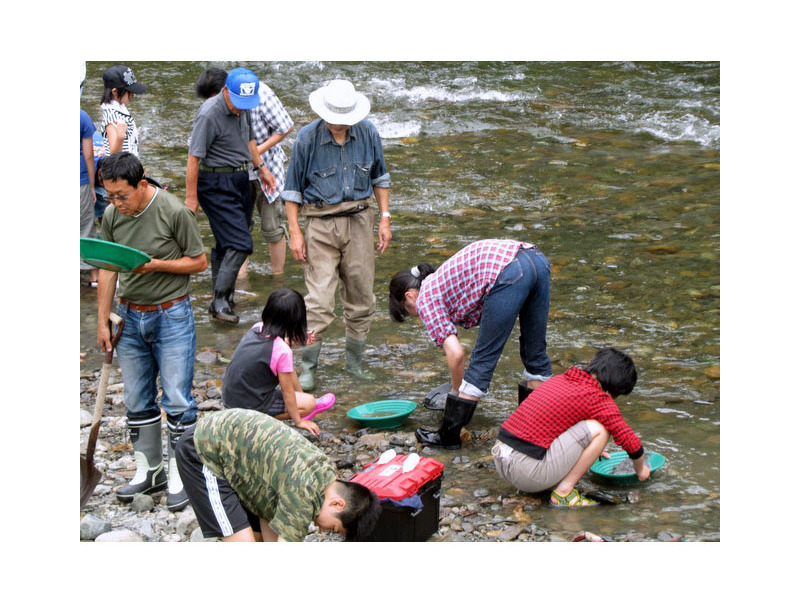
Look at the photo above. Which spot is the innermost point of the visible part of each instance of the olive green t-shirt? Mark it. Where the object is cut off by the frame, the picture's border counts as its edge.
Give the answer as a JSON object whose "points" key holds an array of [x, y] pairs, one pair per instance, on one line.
{"points": [[165, 230], [276, 472]]}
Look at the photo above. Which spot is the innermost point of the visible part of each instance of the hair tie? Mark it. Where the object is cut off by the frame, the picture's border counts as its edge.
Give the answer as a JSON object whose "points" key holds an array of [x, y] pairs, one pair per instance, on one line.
{"points": [[415, 272]]}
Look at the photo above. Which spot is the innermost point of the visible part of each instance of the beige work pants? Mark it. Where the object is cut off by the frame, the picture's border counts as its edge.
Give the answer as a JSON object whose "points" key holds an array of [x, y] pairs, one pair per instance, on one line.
{"points": [[339, 250]]}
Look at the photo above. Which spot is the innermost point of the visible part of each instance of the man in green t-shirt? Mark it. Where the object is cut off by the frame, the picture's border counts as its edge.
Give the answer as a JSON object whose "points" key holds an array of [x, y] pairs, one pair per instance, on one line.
{"points": [[251, 478], [159, 334]]}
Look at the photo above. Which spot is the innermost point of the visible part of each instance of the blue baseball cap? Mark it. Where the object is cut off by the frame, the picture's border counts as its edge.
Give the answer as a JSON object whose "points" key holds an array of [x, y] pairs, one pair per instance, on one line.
{"points": [[242, 85]]}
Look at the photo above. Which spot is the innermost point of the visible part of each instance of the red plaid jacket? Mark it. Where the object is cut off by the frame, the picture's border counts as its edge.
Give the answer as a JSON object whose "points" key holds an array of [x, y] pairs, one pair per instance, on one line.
{"points": [[558, 404], [454, 294]]}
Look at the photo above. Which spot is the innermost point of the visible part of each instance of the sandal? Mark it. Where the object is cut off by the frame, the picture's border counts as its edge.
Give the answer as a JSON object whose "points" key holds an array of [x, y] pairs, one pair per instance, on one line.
{"points": [[573, 499], [323, 403]]}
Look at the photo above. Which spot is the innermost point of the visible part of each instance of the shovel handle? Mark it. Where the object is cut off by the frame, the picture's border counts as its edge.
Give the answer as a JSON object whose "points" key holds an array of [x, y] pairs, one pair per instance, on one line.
{"points": [[119, 322]]}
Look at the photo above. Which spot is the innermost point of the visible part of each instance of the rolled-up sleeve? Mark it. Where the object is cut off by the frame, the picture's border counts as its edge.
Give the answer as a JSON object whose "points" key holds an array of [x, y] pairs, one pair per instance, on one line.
{"points": [[433, 315], [295, 175], [380, 177]]}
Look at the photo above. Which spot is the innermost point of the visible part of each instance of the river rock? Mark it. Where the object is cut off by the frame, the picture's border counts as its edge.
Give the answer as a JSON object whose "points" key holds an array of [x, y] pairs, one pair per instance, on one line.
{"points": [[187, 522], [510, 533], [142, 502], [207, 357], [86, 418], [210, 405], [378, 441], [669, 537], [92, 527], [119, 536]]}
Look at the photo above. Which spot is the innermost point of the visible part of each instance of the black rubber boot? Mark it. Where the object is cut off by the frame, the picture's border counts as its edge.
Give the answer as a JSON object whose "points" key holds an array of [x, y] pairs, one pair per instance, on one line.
{"points": [[150, 475], [224, 286], [523, 391], [177, 498], [457, 413]]}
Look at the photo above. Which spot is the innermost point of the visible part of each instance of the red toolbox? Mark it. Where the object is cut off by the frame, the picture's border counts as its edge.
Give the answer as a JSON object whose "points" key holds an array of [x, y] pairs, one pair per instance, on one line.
{"points": [[408, 487]]}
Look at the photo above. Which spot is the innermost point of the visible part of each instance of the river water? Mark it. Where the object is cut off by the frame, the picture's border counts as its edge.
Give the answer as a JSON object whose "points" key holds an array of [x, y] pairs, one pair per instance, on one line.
{"points": [[613, 169]]}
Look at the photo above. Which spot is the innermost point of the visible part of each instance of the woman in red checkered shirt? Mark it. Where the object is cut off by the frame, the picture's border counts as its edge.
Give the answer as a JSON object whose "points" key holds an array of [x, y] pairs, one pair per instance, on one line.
{"points": [[488, 283], [559, 430]]}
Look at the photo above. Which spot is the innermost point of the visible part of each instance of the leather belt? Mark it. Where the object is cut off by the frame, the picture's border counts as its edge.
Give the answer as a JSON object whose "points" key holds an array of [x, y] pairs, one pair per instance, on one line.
{"points": [[153, 308], [351, 212], [224, 169]]}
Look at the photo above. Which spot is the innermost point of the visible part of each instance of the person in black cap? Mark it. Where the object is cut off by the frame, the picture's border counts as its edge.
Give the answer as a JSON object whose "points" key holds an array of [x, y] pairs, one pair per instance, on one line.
{"points": [[117, 124], [221, 147]]}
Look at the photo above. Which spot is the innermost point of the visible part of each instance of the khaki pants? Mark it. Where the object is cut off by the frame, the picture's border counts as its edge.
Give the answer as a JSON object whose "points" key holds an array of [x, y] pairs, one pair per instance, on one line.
{"points": [[340, 251], [531, 475]]}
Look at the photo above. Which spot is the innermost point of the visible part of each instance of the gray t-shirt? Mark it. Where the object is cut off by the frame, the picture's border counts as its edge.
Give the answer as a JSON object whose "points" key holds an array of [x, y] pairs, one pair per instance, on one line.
{"points": [[220, 138]]}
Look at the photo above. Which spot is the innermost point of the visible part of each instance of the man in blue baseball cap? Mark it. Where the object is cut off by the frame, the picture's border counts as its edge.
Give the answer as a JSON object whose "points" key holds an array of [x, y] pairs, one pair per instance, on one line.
{"points": [[221, 148]]}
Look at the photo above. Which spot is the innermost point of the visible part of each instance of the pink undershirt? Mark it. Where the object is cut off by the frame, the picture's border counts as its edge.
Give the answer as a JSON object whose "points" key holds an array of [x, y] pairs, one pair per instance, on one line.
{"points": [[282, 360]]}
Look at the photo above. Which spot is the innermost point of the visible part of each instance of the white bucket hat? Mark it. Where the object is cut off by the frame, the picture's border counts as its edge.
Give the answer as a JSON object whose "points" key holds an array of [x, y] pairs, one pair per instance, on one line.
{"points": [[338, 103]]}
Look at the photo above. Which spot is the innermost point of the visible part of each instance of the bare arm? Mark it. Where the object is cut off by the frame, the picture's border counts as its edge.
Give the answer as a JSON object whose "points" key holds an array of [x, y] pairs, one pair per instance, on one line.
{"points": [[192, 168], [263, 172], [106, 285], [116, 135], [297, 243], [384, 227], [455, 360], [184, 265], [88, 158], [287, 381], [272, 141]]}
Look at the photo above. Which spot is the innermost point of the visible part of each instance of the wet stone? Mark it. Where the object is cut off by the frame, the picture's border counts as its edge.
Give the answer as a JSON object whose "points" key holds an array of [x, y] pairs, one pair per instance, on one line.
{"points": [[142, 502], [86, 418], [119, 536], [92, 527]]}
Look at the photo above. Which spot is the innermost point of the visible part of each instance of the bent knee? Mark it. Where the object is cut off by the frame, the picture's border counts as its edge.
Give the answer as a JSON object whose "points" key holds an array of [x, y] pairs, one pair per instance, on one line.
{"points": [[597, 429]]}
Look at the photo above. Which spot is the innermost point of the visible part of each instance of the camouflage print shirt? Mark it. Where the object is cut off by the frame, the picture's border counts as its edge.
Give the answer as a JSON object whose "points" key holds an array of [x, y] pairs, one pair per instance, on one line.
{"points": [[278, 474]]}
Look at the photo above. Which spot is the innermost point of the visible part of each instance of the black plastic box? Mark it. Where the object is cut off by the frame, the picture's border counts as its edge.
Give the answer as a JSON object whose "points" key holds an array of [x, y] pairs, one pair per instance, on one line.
{"points": [[402, 524]]}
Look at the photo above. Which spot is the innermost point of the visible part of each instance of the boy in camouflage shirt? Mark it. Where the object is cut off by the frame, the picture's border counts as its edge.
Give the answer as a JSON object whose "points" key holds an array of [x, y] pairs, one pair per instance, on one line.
{"points": [[250, 477]]}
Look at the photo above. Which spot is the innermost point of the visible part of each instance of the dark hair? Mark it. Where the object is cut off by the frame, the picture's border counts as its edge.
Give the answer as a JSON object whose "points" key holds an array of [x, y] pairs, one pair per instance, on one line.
{"points": [[614, 370], [362, 511], [285, 316], [402, 282], [108, 94], [210, 82], [123, 166]]}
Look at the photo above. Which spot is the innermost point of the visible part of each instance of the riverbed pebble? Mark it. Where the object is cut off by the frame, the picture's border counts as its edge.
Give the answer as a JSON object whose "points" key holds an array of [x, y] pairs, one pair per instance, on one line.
{"points": [[474, 505]]}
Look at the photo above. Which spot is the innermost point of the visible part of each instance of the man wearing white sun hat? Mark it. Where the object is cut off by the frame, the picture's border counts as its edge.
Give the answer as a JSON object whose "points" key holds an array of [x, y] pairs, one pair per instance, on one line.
{"points": [[336, 166]]}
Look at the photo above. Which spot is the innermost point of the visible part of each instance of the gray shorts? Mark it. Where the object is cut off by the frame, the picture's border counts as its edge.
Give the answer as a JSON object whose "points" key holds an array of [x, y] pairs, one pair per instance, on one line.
{"points": [[87, 218], [271, 214], [533, 475]]}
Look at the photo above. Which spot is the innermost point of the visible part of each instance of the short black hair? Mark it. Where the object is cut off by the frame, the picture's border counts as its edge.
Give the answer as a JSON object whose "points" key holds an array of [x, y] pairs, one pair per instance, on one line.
{"points": [[123, 166], [614, 370], [402, 282], [362, 511], [210, 82], [284, 316]]}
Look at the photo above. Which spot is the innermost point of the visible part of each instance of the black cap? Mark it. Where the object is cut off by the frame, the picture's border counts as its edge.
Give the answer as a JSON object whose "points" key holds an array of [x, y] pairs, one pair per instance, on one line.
{"points": [[122, 77]]}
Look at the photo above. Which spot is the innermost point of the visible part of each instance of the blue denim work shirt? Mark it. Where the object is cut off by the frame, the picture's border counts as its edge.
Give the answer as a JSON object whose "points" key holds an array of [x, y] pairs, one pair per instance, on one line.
{"points": [[321, 170]]}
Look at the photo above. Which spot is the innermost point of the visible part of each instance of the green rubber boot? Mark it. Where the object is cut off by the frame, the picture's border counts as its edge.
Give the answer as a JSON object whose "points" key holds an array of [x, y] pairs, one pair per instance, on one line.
{"points": [[309, 358], [354, 352]]}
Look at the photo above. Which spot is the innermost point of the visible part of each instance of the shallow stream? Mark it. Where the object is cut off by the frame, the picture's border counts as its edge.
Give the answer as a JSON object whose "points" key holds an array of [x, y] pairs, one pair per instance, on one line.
{"points": [[612, 169]]}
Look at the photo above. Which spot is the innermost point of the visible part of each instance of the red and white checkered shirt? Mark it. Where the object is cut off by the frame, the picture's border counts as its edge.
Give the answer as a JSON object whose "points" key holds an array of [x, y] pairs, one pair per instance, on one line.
{"points": [[454, 294], [558, 404]]}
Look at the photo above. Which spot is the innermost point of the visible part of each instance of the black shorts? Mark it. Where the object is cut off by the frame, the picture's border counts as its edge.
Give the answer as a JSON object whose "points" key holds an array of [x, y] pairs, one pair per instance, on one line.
{"points": [[216, 505]]}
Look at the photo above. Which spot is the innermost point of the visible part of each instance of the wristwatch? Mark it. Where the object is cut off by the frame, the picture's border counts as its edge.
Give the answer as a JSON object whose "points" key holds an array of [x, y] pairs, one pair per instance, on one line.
{"points": [[258, 167], [385, 214]]}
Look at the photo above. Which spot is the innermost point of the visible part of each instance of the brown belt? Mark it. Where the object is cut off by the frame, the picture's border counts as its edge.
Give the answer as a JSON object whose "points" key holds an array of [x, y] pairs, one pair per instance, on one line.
{"points": [[146, 308]]}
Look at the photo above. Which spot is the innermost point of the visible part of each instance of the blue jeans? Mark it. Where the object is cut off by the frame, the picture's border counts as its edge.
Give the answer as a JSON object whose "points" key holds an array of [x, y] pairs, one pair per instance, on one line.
{"points": [[522, 289], [152, 343]]}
